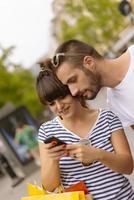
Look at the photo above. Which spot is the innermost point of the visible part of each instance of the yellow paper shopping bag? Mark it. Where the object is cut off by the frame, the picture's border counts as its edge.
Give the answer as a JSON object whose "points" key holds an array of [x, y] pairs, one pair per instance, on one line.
{"points": [[61, 196], [39, 197], [35, 190]]}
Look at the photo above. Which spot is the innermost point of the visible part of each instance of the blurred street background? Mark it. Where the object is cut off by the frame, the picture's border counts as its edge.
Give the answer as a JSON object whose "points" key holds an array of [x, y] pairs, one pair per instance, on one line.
{"points": [[30, 30]]}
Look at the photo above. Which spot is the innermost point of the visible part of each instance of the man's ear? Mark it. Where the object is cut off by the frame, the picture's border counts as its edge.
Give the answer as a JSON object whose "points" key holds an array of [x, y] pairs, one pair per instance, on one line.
{"points": [[88, 63]]}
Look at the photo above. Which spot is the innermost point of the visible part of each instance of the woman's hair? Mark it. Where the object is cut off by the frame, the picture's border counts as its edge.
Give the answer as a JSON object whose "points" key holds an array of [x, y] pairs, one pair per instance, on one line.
{"points": [[48, 86]]}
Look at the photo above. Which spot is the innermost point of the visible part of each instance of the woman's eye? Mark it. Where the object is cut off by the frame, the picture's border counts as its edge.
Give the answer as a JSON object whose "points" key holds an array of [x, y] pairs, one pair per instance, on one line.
{"points": [[60, 98], [51, 103]]}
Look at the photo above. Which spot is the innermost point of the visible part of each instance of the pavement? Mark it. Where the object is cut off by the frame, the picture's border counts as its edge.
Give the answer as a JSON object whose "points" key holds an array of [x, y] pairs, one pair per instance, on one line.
{"points": [[9, 193]]}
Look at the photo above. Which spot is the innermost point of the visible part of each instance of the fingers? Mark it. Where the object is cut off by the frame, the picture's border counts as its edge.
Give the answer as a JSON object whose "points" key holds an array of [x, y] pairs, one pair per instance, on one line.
{"points": [[57, 148], [74, 149], [55, 152], [53, 147], [79, 152], [56, 155], [72, 146]]}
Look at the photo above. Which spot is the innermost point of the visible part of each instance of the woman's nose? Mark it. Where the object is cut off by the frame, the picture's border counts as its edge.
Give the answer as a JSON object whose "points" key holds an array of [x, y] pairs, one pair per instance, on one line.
{"points": [[59, 105]]}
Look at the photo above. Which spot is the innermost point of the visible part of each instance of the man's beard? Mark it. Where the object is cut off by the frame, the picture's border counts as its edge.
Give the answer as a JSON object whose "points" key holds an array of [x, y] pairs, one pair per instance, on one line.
{"points": [[93, 94], [95, 81]]}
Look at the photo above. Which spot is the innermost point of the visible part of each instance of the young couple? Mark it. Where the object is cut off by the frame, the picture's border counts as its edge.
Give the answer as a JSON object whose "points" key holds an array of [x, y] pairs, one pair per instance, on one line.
{"points": [[101, 164]]}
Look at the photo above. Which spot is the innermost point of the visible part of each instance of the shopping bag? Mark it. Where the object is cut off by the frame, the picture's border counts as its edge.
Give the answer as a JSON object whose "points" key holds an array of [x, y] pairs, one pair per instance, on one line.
{"points": [[80, 186], [35, 190], [61, 196]]}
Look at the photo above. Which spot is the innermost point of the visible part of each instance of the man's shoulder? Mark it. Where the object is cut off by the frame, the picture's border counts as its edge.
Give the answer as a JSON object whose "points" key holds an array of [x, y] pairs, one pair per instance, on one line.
{"points": [[131, 47], [130, 51]]}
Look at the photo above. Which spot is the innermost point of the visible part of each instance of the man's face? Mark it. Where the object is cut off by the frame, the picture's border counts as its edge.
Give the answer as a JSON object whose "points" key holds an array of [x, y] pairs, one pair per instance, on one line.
{"points": [[80, 81]]}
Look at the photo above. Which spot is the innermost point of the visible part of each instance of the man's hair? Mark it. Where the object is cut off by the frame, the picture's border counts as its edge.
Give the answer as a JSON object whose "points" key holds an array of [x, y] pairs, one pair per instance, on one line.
{"points": [[79, 49]]}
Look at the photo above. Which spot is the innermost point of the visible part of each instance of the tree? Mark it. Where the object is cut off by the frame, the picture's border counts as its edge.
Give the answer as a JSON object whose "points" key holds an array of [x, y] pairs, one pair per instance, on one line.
{"points": [[17, 85], [96, 22]]}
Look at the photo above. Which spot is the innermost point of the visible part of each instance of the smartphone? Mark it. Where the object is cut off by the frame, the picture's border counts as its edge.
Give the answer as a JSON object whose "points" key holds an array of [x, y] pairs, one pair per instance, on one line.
{"points": [[56, 141]]}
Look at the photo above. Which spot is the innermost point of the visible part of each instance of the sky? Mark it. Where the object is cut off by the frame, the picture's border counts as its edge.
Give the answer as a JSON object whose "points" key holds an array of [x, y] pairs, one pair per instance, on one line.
{"points": [[26, 24]]}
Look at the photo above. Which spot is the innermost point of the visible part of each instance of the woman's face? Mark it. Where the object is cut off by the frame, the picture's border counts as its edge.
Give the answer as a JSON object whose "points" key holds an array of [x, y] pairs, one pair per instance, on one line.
{"points": [[64, 106]]}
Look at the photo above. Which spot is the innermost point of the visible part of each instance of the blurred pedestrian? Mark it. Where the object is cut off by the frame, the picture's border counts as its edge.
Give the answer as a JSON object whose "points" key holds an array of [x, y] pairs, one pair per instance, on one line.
{"points": [[7, 168], [26, 135]]}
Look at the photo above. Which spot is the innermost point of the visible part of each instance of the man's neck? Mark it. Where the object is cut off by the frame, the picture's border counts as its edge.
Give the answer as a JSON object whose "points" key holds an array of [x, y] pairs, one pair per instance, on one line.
{"points": [[112, 71]]}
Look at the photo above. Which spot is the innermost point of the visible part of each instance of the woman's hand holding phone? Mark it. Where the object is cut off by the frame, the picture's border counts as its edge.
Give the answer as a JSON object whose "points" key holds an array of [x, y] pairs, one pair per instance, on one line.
{"points": [[55, 148]]}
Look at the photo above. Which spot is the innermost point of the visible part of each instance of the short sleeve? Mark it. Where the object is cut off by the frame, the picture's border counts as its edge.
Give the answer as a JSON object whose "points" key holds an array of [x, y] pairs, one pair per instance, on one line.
{"points": [[114, 122], [41, 134]]}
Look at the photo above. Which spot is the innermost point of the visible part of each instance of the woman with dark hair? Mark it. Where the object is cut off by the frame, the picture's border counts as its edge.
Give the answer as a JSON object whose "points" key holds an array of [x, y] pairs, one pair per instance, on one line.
{"points": [[101, 162]]}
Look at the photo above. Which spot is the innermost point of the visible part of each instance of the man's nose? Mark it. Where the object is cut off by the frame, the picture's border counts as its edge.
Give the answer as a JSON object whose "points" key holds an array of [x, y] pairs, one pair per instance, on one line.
{"points": [[73, 90]]}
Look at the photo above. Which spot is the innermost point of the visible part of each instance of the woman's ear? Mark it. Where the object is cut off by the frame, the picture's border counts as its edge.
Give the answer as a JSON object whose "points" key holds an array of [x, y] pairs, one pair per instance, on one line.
{"points": [[88, 63]]}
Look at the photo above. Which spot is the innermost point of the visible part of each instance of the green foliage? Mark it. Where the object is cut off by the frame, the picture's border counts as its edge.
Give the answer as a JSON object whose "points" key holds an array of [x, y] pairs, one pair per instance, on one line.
{"points": [[97, 22], [17, 85]]}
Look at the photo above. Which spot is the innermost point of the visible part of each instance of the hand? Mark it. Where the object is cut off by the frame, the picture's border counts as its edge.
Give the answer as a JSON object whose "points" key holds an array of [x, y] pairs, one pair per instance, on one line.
{"points": [[55, 152], [84, 153]]}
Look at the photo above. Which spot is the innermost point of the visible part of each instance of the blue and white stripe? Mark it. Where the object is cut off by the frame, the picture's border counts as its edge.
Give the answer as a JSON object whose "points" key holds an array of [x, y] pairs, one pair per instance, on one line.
{"points": [[102, 182]]}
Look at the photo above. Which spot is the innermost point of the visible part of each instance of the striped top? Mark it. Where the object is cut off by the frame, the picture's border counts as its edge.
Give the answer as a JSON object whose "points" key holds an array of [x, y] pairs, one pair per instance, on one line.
{"points": [[102, 182]]}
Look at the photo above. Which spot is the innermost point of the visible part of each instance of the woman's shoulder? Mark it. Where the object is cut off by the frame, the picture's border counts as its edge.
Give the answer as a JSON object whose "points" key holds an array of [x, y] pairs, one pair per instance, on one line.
{"points": [[51, 123], [104, 111], [110, 117], [48, 129], [107, 111]]}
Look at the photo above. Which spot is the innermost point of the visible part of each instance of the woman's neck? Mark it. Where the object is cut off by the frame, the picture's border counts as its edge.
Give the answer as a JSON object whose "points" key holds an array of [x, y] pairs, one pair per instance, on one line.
{"points": [[81, 114], [82, 122]]}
